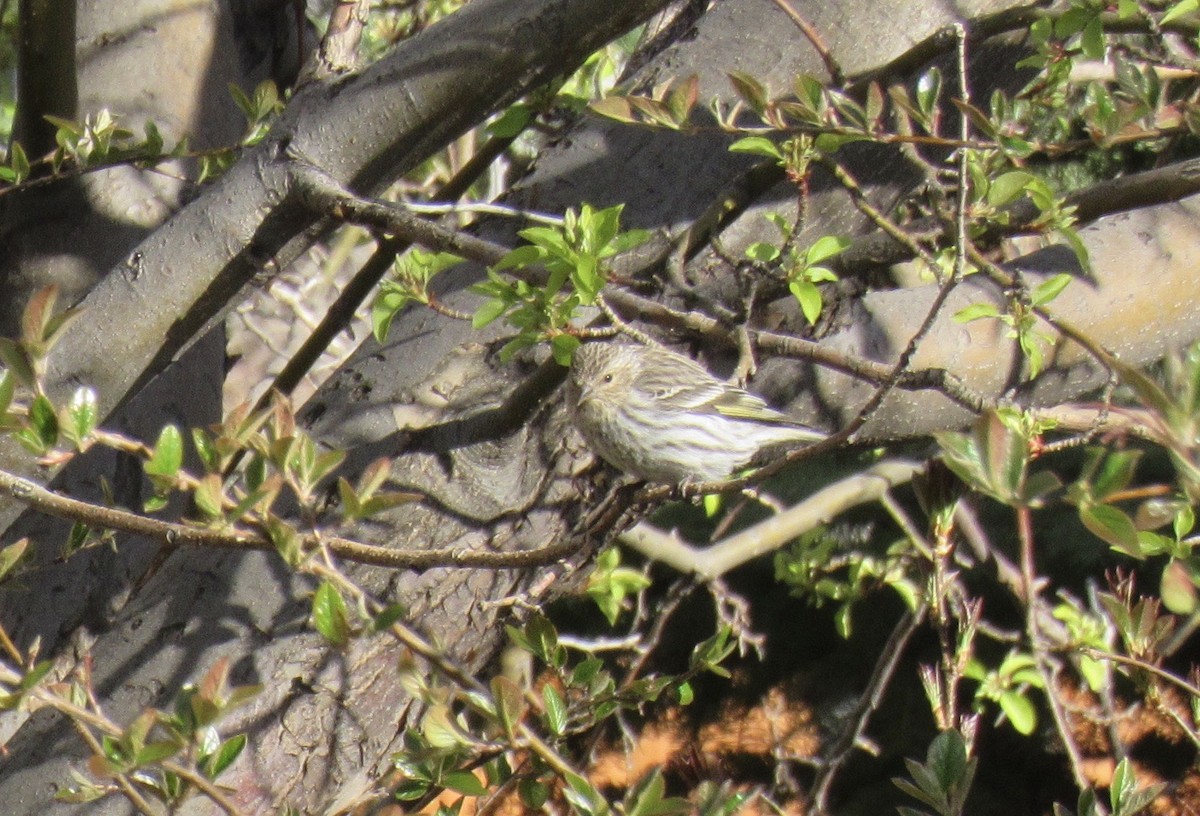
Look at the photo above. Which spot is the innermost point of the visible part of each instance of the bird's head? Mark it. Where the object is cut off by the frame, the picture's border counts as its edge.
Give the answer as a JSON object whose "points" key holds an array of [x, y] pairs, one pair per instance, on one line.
{"points": [[602, 373]]}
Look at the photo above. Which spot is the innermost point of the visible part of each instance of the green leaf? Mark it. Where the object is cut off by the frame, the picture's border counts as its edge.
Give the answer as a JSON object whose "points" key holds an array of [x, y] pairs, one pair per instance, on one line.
{"points": [[510, 703], [510, 123], [384, 309], [555, 708], [522, 256], [614, 107], [750, 89], [18, 161], [1178, 588], [17, 361], [488, 312], [329, 614], [1050, 289], [534, 793], [384, 620], [167, 457], [1020, 711], [1112, 525], [708, 654], [226, 755], [1183, 521], [585, 798], [1092, 41], [762, 252], [1111, 472], [542, 639], [947, 757], [759, 145], [1124, 781], [1008, 187], [464, 782], [411, 789], [206, 450], [83, 414], [563, 346], [1178, 10], [809, 298], [929, 87], [8, 387], [824, 248], [828, 143], [11, 555], [44, 425], [976, 311]]}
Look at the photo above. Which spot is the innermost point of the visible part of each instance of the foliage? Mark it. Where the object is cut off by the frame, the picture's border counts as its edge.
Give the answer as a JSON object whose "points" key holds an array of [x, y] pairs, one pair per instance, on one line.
{"points": [[260, 476], [570, 268]]}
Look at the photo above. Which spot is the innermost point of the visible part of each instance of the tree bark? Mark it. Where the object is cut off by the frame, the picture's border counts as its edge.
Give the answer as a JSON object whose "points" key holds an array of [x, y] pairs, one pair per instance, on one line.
{"points": [[434, 395]]}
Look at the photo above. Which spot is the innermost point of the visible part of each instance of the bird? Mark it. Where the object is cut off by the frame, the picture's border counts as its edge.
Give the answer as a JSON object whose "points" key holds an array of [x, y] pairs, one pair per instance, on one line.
{"points": [[663, 417]]}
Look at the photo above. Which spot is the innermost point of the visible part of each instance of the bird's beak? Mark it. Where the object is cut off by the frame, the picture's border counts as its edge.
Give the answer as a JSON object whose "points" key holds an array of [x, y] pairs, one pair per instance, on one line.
{"points": [[585, 394]]}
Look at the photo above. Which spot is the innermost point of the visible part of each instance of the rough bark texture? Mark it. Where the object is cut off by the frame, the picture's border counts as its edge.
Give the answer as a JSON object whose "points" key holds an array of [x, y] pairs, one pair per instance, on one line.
{"points": [[323, 730]]}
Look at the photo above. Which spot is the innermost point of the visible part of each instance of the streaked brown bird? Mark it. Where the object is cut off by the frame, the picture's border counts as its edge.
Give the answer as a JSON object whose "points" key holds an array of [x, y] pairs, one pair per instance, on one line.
{"points": [[661, 416]]}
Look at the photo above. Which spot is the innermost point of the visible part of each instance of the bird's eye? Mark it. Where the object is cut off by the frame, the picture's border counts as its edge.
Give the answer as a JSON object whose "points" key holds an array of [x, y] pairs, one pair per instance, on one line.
{"points": [[607, 378]]}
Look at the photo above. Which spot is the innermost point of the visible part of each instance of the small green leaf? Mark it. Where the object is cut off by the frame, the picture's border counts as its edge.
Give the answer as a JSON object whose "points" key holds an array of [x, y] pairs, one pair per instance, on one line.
{"points": [[510, 703], [614, 107], [824, 248], [388, 616], [1092, 41], [488, 312], [976, 311], [411, 789], [167, 457], [750, 89], [534, 793], [563, 346], [82, 413], [1112, 525], [762, 252], [464, 782], [329, 614], [18, 161], [1183, 7], [1050, 289], [555, 708], [44, 425], [809, 298], [759, 145], [17, 361], [1178, 588], [225, 756], [11, 555], [510, 123], [8, 387], [1008, 187], [947, 758], [1020, 711], [206, 450]]}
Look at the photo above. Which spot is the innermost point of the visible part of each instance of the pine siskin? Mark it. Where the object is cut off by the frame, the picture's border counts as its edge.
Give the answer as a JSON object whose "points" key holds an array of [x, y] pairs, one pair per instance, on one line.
{"points": [[660, 416]]}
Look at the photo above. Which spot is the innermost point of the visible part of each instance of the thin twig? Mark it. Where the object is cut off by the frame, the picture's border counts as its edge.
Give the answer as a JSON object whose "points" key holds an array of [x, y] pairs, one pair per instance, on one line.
{"points": [[841, 751], [836, 75], [1047, 672], [34, 495]]}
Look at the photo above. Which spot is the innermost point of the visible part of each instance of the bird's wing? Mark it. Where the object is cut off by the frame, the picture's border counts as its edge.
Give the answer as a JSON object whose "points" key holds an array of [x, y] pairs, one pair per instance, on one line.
{"points": [[684, 385], [735, 402]]}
